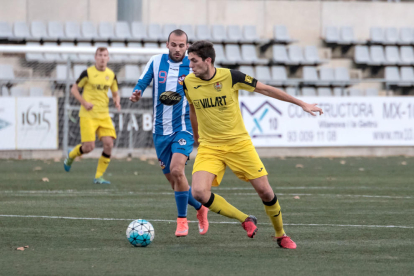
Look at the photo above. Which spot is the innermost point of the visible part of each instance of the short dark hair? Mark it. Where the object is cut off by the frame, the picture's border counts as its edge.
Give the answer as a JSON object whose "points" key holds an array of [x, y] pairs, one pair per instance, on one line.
{"points": [[101, 49], [203, 49], [178, 32]]}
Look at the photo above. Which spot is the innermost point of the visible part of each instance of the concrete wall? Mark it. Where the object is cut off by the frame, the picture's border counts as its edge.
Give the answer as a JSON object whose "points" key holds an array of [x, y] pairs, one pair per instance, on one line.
{"points": [[59, 10]]}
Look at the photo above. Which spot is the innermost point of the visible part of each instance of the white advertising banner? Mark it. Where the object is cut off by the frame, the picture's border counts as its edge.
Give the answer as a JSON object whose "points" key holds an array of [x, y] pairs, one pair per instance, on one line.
{"points": [[37, 123], [7, 123], [353, 121]]}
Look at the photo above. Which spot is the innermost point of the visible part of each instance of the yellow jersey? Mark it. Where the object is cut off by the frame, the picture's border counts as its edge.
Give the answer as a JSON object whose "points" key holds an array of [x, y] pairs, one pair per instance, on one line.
{"points": [[95, 86], [216, 103]]}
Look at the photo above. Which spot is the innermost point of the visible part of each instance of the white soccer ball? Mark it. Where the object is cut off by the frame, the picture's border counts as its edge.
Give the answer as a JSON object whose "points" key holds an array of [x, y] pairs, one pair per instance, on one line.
{"points": [[140, 233]]}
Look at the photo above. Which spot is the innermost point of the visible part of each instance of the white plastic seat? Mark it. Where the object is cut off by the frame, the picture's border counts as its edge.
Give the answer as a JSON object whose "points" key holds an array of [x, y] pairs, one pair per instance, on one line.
{"points": [[38, 30], [308, 92], [377, 55], [55, 30], [88, 31], [361, 55], [72, 31], [392, 56], [122, 31], [280, 54], [250, 36], [233, 55], [203, 32], [52, 57], [295, 54], [391, 36], [406, 36], [218, 34], [6, 32], [310, 75], [312, 55], [324, 92], [166, 30], [377, 35], [248, 70], [188, 29], [78, 69], [118, 57], [34, 57], [220, 55], [234, 34], [327, 76], [21, 31], [106, 31], [263, 74], [138, 31], [154, 33], [85, 57], [406, 55], [36, 92], [331, 35], [249, 55], [281, 34]]}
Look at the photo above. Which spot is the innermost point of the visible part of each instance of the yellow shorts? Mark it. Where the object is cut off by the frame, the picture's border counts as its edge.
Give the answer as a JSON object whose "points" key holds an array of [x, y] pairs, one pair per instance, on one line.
{"points": [[89, 127], [241, 158]]}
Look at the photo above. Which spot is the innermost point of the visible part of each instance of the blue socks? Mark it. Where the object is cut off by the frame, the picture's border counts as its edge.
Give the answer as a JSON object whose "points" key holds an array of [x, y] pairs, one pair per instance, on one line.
{"points": [[192, 201], [181, 199]]}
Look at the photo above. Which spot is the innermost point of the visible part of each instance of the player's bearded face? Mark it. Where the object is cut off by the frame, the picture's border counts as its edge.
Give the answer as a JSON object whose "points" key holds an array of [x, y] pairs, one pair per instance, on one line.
{"points": [[101, 59], [177, 47]]}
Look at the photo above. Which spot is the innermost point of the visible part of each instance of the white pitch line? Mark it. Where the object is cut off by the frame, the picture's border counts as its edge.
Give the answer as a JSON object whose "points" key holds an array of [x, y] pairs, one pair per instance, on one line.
{"points": [[109, 192], [211, 222]]}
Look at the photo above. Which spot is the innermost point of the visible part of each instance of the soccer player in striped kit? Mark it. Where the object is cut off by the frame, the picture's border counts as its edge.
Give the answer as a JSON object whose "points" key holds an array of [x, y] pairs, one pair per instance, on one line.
{"points": [[172, 131]]}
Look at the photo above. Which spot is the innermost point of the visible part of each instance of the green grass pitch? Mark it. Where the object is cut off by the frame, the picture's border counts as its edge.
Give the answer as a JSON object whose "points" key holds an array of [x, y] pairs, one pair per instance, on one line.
{"points": [[354, 216]]}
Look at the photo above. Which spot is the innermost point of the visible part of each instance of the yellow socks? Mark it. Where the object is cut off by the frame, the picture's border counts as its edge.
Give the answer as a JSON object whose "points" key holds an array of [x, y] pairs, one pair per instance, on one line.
{"points": [[220, 206], [77, 151], [272, 209], [102, 164]]}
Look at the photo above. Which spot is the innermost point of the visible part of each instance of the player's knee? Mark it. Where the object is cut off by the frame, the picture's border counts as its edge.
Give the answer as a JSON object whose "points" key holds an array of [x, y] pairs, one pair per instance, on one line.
{"points": [[176, 173], [108, 145], [88, 147], [200, 194], [266, 195]]}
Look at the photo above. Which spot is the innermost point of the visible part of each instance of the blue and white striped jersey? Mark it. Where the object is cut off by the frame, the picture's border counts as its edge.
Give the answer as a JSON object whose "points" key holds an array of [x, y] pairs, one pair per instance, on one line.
{"points": [[168, 76]]}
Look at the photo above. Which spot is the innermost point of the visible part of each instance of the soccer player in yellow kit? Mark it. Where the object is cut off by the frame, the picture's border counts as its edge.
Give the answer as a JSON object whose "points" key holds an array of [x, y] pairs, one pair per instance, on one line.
{"points": [[218, 126], [94, 112]]}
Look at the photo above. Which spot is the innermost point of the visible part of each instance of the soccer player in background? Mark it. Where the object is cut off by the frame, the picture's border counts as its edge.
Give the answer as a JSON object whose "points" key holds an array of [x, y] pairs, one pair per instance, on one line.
{"points": [[172, 132], [223, 140], [94, 112]]}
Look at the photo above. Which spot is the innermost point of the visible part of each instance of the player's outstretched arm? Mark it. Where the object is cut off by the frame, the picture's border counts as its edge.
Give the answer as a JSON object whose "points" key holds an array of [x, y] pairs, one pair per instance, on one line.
{"points": [[276, 93], [194, 123], [78, 96]]}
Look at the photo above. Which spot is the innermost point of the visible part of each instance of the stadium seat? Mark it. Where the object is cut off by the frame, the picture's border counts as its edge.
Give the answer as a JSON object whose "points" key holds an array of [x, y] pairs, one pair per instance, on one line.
{"points": [[118, 57], [392, 76], [55, 31], [331, 35], [126, 92], [406, 55], [188, 29], [353, 92], [149, 45], [342, 77], [406, 36], [310, 75], [324, 92], [166, 30], [248, 70], [249, 55], [293, 91], [132, 73], [280, 55], [347, 35], [361, 55], [136, 58], [122, 32], [64, 56], [218, 34], [101, 44], [154, 33], [308, 92], [85, 57], [72, 31], [279, 76], [21, 31], [312, 55], [106, 31], [233, 55], [220, 56], [391, 36], [281, 34], [250, 36], [327, 76], [36, 92], [62, 73], [6, 72], [78, 69], [138, 31], [38, 30], [234, 34], [263, 74], [203, 33], [18, 91], [338, 92], [407, 75], [392, 56], [371, 92], [377, 56], [295, 54], [376, 35], [88, 31], [5, 31], [34, 57], [52, 57]]}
